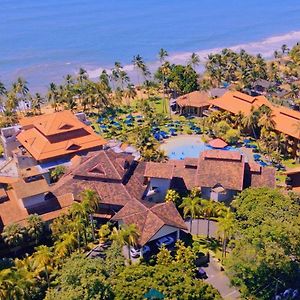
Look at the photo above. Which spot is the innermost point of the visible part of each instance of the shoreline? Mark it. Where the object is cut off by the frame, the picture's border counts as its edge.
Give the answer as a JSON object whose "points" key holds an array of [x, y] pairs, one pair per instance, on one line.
{"points": [[39, 77]]}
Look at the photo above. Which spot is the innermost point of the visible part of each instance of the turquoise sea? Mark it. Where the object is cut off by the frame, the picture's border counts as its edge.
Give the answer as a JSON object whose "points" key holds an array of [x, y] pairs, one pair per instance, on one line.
{"points": [[43, 40]]}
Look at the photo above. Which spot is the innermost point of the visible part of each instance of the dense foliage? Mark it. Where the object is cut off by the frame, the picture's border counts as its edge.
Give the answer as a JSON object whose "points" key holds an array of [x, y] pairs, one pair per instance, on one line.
{"points": [[266, 253]]}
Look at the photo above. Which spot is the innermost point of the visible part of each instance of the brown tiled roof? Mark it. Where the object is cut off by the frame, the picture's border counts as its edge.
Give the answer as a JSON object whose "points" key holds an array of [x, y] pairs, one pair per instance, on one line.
{"points": [[159, 170], [58, 134], [264, 178], [103, 171], [149, 218], [194, 99], [26, 189], [12, 212], [221, 167]]}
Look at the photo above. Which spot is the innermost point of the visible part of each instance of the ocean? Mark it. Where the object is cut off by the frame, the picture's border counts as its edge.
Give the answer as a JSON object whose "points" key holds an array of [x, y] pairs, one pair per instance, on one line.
{"points": [[44, 40]]}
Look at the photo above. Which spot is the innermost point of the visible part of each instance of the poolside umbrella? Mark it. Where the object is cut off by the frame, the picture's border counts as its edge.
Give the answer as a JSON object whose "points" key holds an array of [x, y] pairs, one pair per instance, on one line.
{"points": [[217, 143], [154, 294]]}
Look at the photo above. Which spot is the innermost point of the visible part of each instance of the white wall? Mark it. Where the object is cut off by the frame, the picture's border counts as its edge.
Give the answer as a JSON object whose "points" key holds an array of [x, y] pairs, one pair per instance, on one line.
{"points": [[165, 230], [207, 193], [163, 185]]}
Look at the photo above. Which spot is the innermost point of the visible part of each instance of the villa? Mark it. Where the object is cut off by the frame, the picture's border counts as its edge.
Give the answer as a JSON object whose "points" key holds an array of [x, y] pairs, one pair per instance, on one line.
{"points": [[286, 120], [50, 137]]}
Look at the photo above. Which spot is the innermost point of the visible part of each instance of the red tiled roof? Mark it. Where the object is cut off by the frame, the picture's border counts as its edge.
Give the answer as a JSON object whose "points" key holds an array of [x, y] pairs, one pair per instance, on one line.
{"points": [[149, 218], [286, 120], [58, 134], [217, 143]]}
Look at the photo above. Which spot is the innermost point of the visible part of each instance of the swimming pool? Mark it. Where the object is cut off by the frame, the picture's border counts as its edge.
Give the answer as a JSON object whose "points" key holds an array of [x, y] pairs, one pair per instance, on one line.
{"points": [[183, 146]]}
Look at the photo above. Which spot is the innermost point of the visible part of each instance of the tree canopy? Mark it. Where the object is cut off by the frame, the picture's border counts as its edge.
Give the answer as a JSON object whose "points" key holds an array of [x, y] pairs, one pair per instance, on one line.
{"points": [[267, 247]]}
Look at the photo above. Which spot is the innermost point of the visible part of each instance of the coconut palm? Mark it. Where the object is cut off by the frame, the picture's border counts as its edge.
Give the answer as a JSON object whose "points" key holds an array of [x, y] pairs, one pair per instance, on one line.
{"points": [[208, 210], [103, 233], [43, 260], [250, 120], [162, 55], [35, 227], [65, 245], [194, 60], [225, 228], [127, 235], [3, 90], [13, 235], [191, 207], [82, 76], [7, 283], [139, 65], [130, 92]]}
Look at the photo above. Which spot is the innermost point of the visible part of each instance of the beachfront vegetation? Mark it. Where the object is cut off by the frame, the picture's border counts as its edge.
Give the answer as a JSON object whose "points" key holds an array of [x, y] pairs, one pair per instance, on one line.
{"points": [[258, 237]]}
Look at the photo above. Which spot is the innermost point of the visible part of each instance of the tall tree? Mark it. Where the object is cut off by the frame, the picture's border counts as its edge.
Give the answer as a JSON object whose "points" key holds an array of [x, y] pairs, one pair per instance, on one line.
{"points": [[194, 60], [127, 235], [43, 259], [191, 208]]}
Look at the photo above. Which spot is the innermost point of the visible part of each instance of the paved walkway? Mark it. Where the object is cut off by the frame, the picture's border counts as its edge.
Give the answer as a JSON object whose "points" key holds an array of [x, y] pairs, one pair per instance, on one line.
{"points": [[220, 281], [199, 226]]}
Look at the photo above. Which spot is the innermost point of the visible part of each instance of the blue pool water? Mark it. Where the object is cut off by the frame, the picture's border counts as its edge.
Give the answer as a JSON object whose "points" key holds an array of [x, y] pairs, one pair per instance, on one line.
{"points": [[187, 146]]}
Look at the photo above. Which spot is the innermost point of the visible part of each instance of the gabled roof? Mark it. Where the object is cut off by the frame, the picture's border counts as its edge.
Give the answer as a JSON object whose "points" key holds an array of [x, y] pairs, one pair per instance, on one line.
{"points": [[149, 218], [55, 123], [58, 134], [236, 102], [104, 172], [286, 120], [221, 167], [194, 99]]}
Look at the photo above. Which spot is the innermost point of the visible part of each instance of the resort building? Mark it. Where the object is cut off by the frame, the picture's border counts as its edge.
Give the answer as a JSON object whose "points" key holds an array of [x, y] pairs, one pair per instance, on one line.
{"points": [[286, 120], [153, 221], [50, 137], [194, 103]]}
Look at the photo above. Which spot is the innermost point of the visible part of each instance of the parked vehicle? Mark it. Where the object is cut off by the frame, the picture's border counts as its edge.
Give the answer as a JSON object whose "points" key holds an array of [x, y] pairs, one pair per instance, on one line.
{"points": [[136, 252], [166, 240], [200, 273]]}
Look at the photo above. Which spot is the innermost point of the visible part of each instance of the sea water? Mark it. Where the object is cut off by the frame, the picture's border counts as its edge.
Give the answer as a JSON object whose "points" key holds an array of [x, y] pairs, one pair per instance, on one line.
{"points": [[44, 40]]}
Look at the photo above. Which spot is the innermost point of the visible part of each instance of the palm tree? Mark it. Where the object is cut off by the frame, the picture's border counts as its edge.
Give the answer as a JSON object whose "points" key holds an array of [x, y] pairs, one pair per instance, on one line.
{"points": [[66, 245], [35, 227], [284, 49], [3, 90], [139, 65], [90, 202], [82, 76], [266, 120], [130, 93], [191, 207], [250, 121], [194, 60], [208, 211], [225, 227], [43, 259], [127, 235], [162, 54], [13, 235], [53, 95]]}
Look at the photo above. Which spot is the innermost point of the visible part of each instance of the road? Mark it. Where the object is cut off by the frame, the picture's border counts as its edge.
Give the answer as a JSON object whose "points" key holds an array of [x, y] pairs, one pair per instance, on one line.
{"points": [[220, 281]]}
